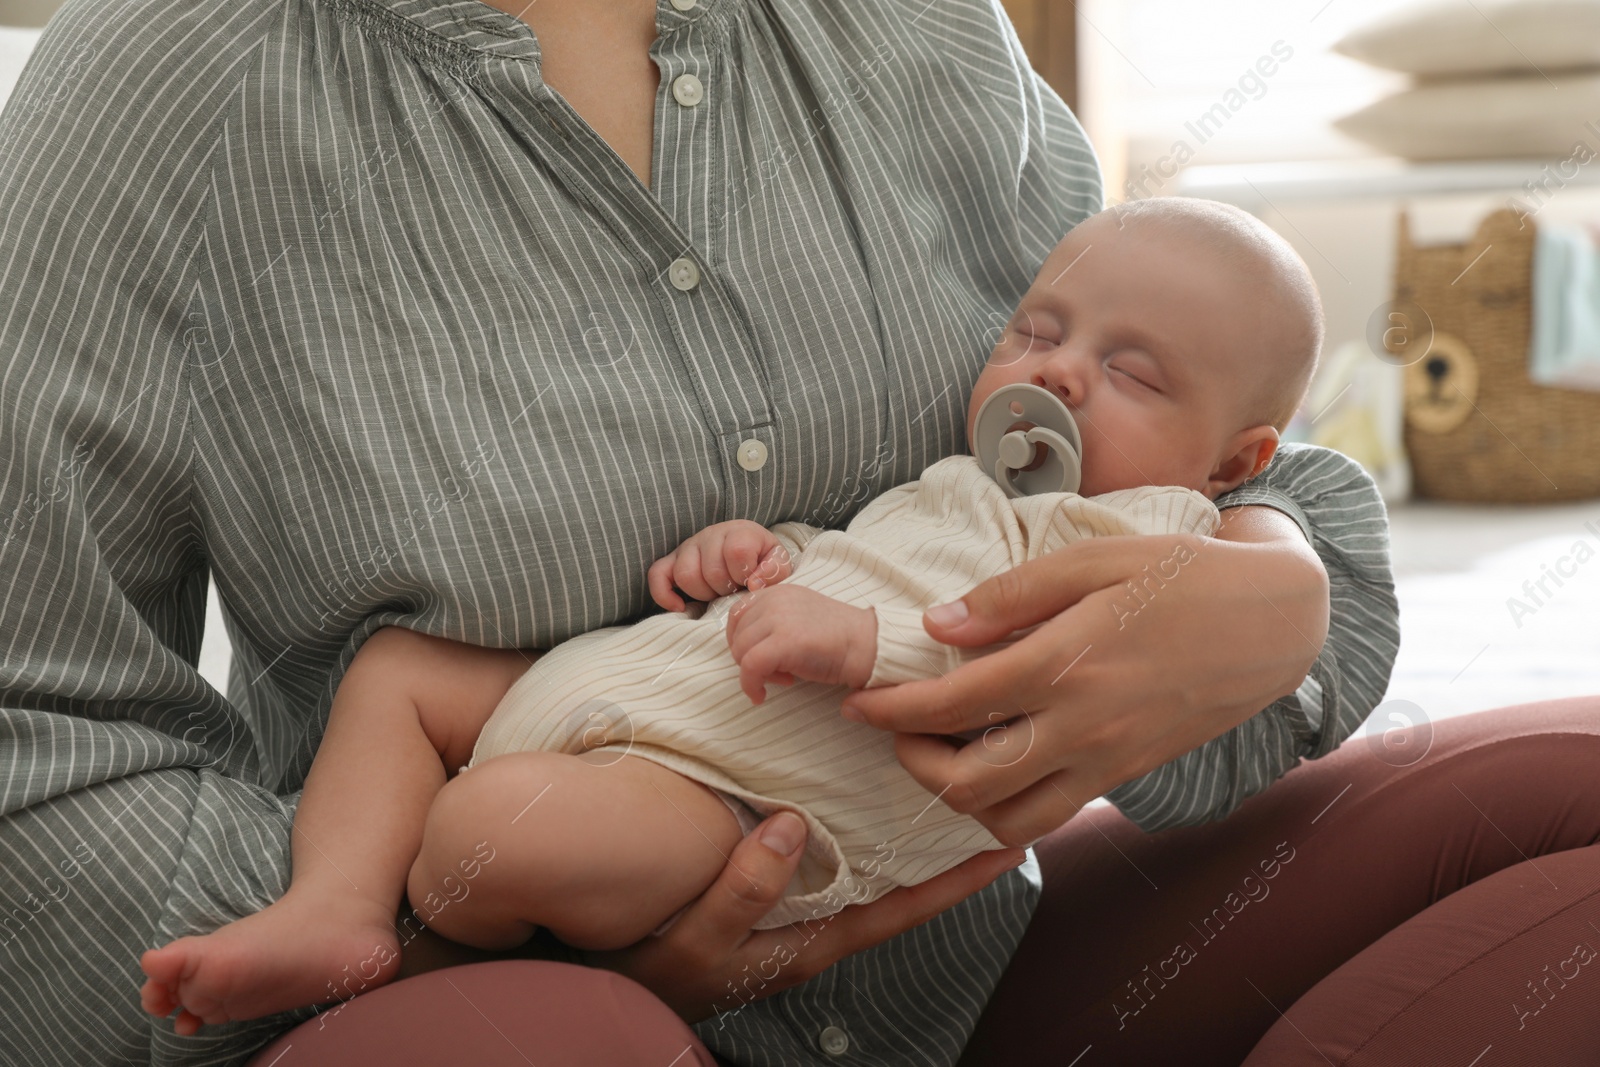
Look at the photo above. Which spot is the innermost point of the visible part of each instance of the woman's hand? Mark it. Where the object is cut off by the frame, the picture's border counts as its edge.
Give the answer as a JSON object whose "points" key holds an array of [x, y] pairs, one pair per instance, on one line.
{"points": [[710, 961], [1150, 646], [718, 560]]}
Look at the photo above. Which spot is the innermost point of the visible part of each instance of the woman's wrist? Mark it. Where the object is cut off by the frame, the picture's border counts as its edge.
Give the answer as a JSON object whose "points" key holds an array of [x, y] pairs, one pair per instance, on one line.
{"points": [[1292, 576]]}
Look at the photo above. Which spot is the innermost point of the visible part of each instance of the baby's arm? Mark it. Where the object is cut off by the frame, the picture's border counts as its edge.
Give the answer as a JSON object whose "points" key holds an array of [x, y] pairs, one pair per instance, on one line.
{"points": [[906, 652], [788, 632]]}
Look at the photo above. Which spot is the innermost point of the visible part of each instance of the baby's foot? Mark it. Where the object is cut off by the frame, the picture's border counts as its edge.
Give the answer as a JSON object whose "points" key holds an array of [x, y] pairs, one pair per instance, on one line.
{"points": [[299, 951]]}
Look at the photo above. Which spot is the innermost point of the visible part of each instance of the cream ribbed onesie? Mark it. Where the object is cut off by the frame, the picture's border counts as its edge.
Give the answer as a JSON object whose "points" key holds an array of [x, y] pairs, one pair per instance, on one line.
{"points": [[667, 688]]}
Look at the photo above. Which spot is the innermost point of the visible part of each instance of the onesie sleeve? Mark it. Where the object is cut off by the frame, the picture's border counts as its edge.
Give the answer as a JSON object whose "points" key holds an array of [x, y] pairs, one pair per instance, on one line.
{"points": [[908, 653], [794, 537], [1151, 509], [1337, 506]]}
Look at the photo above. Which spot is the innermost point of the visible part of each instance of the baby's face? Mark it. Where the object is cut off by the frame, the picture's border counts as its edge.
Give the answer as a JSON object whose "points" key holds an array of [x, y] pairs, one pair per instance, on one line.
{"points": [[1147, 339]]}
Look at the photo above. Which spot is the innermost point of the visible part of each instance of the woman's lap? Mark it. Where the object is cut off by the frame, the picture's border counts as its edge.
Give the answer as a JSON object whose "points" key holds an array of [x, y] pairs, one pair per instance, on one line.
{"points": [[93, 876], [1506, 964], [507, 1013], [1337, 857], [1179, 947]]}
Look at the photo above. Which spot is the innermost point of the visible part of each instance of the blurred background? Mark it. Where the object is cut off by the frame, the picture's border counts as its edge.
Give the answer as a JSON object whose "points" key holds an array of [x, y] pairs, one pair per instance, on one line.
{"points": [[1436, 165]]}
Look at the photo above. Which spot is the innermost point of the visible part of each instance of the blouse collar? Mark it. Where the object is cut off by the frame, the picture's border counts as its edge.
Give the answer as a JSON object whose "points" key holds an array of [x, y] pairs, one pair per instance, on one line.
{"points": [[489, 30]]}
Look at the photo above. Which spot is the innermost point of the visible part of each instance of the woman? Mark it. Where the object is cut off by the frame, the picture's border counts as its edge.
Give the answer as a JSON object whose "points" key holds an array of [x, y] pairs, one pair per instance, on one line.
{"points": [[437, 315]]}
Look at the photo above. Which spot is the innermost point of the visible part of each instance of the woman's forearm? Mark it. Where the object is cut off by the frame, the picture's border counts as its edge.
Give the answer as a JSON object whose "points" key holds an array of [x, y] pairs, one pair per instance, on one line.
{"points": [[1217, 759], [1346, 608], [1291, 577], [1337, 506]]}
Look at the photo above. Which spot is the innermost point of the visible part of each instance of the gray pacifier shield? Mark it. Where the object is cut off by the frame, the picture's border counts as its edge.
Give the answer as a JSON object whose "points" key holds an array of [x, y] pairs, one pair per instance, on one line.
{"points": [[1003, 452]]}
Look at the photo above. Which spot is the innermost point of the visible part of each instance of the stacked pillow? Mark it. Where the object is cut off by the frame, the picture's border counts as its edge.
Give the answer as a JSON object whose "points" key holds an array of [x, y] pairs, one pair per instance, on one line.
{"points": [[1490, 79]]}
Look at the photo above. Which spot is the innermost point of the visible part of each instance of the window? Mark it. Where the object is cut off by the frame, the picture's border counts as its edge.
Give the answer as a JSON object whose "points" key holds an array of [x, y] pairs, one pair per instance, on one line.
{"points": [[1173, 83]]}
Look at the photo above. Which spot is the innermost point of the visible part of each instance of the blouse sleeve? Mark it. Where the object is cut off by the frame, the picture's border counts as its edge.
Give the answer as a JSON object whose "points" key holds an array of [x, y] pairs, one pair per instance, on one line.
{"points": [[1337, 506], [103, 197], [107, 728], [1059, 183]]}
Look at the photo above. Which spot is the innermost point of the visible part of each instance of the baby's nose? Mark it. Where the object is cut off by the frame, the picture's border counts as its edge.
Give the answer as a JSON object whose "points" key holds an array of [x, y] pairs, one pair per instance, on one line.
{"points": [[1065, 378], [1073, 370]]}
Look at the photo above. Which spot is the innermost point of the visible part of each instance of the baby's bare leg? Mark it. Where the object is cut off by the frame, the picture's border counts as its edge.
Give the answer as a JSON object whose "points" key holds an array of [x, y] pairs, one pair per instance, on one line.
{"points": [[409, 707], [599, 849]]}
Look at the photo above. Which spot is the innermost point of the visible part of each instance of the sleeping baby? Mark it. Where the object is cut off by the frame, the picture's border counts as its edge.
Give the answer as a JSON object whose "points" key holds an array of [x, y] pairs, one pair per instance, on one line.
{"points": [[608, 782]]}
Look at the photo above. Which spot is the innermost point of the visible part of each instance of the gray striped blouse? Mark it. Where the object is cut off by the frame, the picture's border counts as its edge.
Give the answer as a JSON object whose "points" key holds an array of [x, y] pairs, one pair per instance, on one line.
{"points": [[335, 302]]}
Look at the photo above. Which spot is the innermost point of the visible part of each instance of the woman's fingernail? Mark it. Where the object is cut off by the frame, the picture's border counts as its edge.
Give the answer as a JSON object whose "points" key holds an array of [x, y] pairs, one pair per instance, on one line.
{"points": [[949, 615], [784, 833], [851, 713]]}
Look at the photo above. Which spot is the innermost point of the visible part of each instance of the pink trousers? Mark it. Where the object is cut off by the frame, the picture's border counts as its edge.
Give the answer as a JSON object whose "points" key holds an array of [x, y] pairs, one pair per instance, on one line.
{"points": [[1373, 908]]}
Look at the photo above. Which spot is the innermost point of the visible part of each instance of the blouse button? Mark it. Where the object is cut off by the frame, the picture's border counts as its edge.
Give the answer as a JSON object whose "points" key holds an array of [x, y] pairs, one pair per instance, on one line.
{"points": [[752, 457], [687, 90], [683, 274], [683, 5], [834, 1041]]}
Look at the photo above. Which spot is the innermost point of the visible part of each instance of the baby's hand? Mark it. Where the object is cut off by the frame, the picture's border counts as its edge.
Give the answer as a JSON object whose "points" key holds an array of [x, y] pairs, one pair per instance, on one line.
{"points": [[790, 632], [717, 561]]}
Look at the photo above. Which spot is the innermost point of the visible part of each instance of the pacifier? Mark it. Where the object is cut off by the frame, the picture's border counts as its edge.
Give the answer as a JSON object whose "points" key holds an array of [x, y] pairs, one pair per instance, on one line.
{"points": [[1012, 456]]}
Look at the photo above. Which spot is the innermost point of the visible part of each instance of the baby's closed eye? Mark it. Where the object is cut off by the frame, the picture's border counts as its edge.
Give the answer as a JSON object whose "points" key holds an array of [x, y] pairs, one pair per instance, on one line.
{"points": [[1135, 377]]}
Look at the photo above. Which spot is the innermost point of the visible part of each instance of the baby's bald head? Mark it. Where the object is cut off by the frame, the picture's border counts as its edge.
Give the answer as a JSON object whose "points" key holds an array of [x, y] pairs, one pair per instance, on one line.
{"points": [[1180, 333], [1277, 294]]}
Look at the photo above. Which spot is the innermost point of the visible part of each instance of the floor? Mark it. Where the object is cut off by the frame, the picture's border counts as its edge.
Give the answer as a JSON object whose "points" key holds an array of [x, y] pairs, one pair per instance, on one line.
{"points": [[1477, 630]]}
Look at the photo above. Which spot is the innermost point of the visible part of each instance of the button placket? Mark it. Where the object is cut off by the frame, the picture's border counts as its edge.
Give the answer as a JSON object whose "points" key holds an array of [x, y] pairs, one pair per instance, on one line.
{"points": [[718, 341], [689, 180]]}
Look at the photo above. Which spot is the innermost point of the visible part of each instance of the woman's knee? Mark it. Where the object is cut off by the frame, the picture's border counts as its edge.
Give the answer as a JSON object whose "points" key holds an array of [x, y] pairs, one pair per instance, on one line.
{"points": [[87, 886], [1520, 773], [552, 1014], [1502, 963]]}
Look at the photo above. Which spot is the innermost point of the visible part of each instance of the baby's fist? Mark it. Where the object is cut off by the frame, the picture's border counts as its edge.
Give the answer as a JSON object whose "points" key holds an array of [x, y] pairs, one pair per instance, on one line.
{"points": [[788, 631], [719, 560]]}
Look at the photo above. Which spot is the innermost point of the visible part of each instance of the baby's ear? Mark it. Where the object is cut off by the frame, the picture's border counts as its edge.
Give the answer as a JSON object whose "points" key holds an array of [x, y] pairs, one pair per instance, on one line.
{"points": [[1246, 455]]}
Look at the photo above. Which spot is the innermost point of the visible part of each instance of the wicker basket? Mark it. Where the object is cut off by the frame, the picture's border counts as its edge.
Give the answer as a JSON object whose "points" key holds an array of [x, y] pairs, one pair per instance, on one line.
{"points": [[1476, 428]]}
